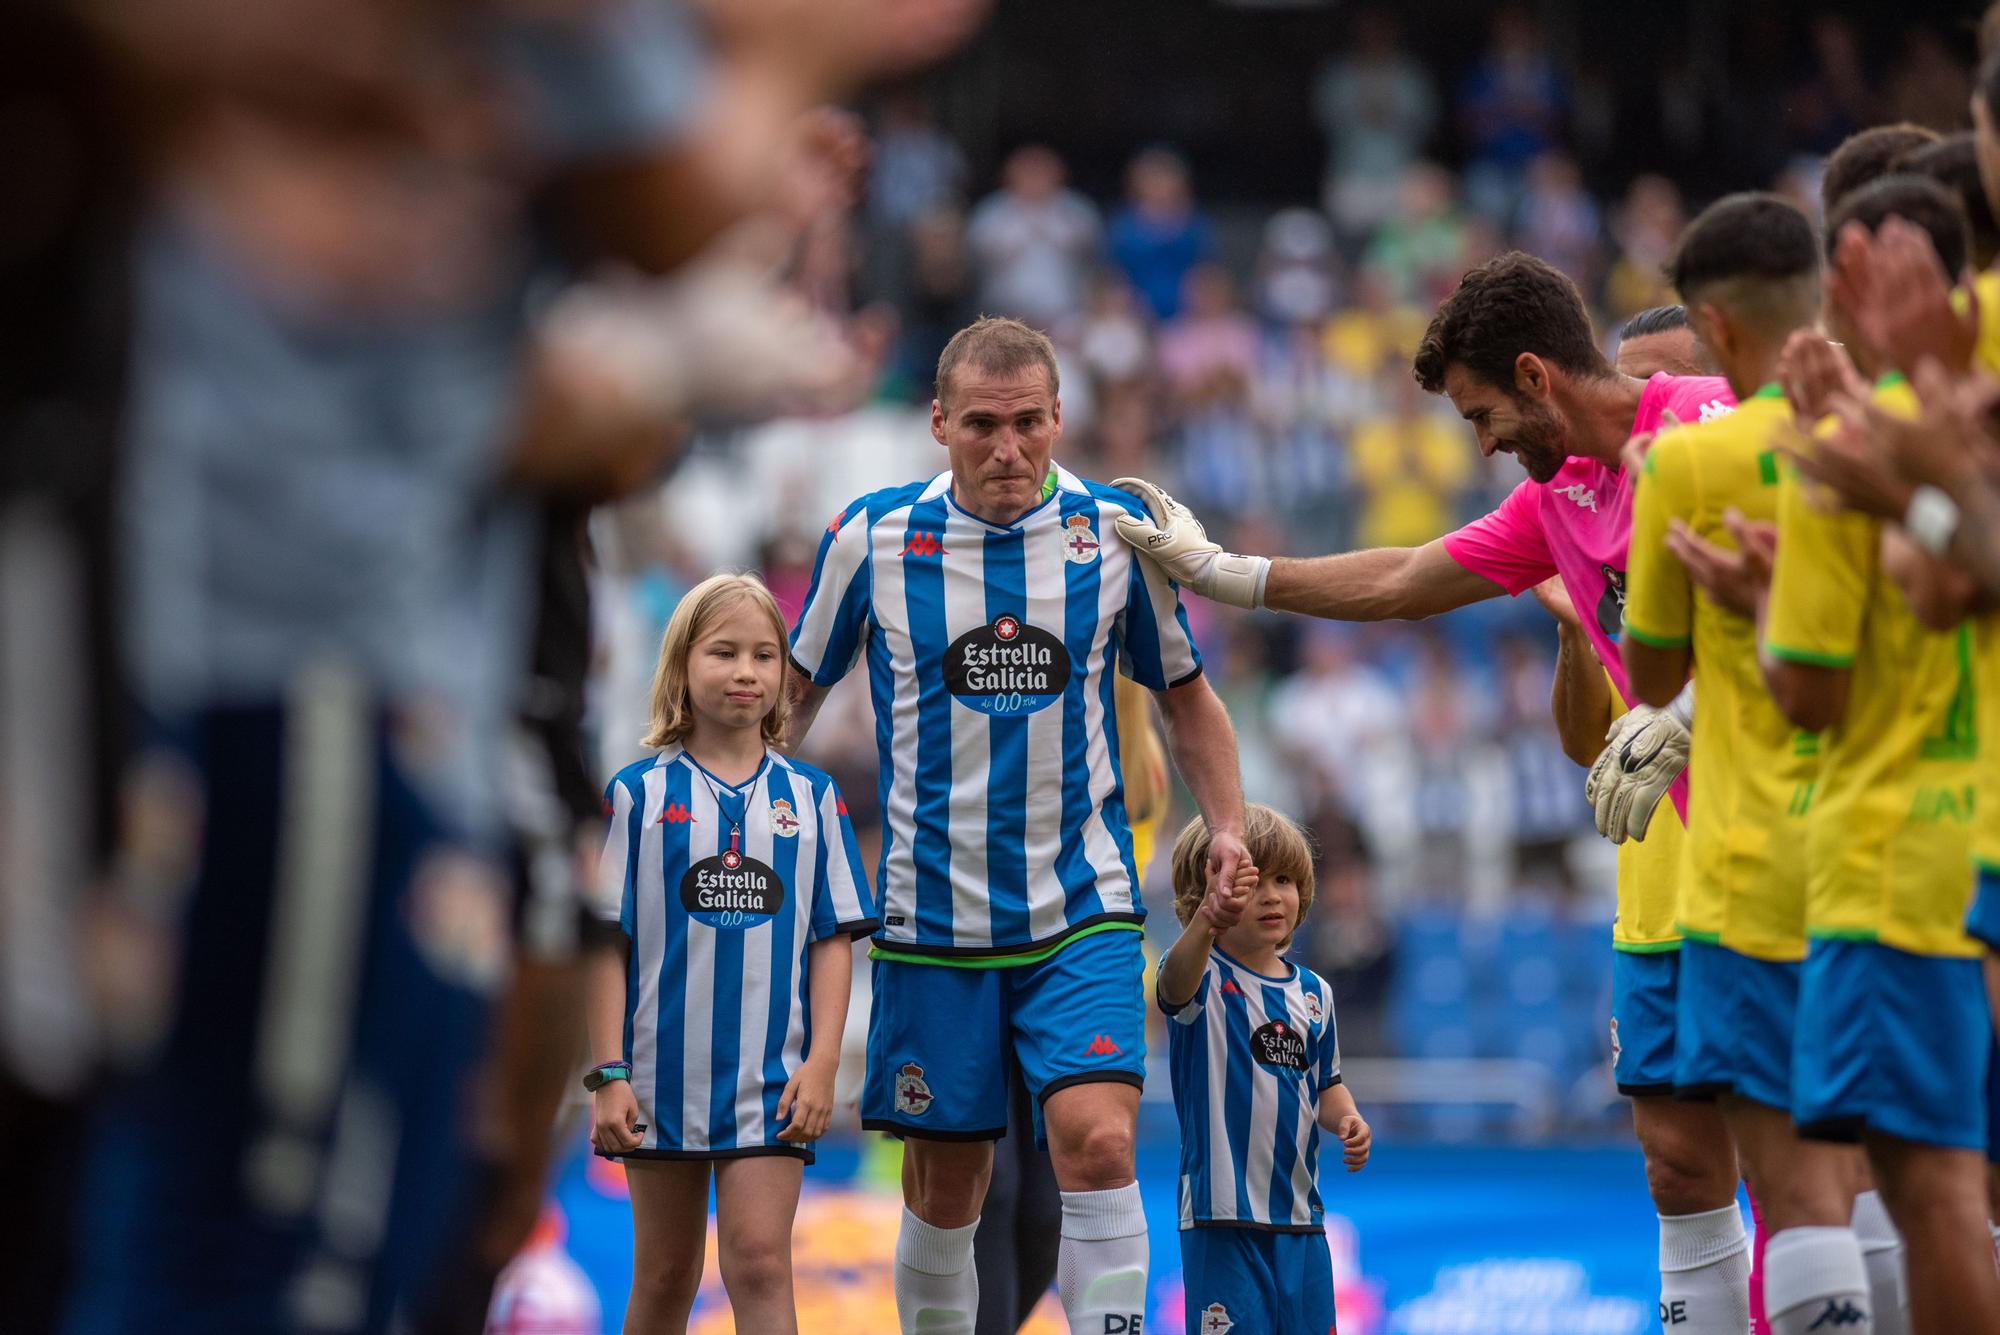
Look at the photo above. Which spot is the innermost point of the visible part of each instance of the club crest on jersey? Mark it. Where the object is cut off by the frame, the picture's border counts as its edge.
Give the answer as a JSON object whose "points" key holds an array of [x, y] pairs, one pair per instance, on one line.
{"points": [[731, 892], [1080, 545], [1278, 1044], [1314, 1011], [1009, 667], [1611, 606], [1215, 1320], [783, 820], [913, 1096]]}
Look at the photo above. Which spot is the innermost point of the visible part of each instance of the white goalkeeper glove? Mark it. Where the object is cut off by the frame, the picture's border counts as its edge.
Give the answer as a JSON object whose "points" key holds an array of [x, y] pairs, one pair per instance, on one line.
{"points": [[1644, 752], [1173, 540]]}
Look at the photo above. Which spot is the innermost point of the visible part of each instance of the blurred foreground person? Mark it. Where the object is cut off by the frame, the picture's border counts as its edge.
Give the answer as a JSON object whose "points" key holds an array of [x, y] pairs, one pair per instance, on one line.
{"points": [[62, 371], [348, 389]]}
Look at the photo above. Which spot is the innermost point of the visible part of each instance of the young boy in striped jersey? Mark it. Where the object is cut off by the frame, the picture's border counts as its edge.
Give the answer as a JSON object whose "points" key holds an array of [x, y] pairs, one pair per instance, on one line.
{"points": [[1256, 1068], [733, 872]]}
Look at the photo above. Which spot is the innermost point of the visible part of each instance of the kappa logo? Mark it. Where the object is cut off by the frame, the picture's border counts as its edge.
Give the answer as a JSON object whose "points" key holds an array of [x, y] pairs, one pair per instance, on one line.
{"points": [[833, 525], [913, 1096], [1579, 494], [1215, 1320], [840, 806], [1230, 989], [674, 814], [923, 542], [783, 821], [1839, 1312], [1080, 545], [1713, 409], [1102, 1046]]}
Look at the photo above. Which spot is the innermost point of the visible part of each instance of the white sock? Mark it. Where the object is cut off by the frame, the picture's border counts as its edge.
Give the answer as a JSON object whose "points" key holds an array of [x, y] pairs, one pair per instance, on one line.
{"points": [[1101, 1265], [937, 1290], [1705, 1273], [1882, 1257], [1815, 1280]]}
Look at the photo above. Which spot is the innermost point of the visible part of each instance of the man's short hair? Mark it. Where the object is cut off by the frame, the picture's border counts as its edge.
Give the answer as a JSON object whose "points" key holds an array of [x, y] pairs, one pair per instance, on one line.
{"points": [[1917, 200], [998, 347], [1654, 320], [1953, 162], [1513, 303], [1867, 156], [1749, 235]]}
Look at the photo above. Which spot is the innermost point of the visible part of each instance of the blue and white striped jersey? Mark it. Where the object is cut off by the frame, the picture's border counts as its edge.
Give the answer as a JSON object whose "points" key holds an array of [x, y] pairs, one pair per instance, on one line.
{"points": [[721, 889], [1250, 1054], [990, 655]]}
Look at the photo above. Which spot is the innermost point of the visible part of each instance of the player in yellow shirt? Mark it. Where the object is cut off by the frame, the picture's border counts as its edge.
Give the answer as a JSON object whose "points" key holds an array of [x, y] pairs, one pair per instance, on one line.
{"points": [[1748, 270], [1893, 1034]]}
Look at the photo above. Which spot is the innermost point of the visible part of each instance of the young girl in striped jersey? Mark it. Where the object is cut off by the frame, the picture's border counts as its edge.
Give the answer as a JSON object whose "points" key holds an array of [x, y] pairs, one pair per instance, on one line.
{"points": [[1256, 1068], [733, 874]]}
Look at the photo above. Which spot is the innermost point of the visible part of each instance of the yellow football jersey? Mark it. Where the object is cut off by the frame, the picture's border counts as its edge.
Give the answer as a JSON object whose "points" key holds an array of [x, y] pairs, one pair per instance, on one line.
{"points": [[1751, 772], [1649, 881], [1986, 679], [1986, 633], [1889, 831], [1986, 352]]}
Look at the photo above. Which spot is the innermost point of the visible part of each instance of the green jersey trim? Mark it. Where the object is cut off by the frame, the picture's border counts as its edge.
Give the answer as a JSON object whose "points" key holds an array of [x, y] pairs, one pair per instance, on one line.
{"points": [[1809, 657], [999, 961], [1657, 641]]}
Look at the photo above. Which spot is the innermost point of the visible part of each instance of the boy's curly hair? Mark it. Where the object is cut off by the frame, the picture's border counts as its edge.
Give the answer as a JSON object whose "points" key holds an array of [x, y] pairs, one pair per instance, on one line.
{"points": [[1277, 845]]}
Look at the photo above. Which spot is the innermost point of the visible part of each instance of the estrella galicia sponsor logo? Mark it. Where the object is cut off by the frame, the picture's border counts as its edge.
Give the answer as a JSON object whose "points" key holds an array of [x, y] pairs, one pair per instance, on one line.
{"points": [[1611, 607], [1008, 667], [731, 891], [1278, 1044]]}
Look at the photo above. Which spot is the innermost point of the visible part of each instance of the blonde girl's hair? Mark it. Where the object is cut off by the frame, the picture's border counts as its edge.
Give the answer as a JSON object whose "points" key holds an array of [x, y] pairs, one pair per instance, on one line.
{"points": [[695, 616], [1277, 845]]}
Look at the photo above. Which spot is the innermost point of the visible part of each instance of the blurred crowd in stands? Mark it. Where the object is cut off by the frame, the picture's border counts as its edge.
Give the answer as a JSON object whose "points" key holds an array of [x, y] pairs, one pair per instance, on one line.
{"points": [[1255, 360]]}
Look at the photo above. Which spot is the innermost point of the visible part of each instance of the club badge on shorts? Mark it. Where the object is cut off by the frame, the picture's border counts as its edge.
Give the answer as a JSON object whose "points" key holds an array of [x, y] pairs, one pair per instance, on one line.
{"points": [[1080, 545], [913, 1096], [1215, 1320]]}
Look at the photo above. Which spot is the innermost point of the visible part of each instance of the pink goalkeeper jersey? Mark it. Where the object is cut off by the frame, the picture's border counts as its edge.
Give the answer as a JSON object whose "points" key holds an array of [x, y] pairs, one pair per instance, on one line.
{"points": [[1577, 525]]}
